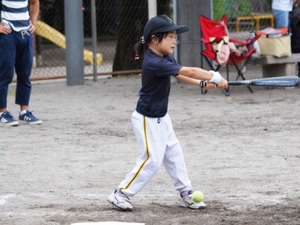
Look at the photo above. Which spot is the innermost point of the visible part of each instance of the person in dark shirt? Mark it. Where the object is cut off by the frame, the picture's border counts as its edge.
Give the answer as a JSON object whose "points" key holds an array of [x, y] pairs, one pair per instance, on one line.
{"points": [[151, 122]]}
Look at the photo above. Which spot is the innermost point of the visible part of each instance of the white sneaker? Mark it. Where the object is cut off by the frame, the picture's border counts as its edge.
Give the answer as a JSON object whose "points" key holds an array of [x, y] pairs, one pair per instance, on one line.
{"points": [[120, 200], [187, 202]]}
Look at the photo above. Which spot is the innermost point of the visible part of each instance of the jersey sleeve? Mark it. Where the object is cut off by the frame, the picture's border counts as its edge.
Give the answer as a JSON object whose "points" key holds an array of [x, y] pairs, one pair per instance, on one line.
{"points": [[167, 66]]}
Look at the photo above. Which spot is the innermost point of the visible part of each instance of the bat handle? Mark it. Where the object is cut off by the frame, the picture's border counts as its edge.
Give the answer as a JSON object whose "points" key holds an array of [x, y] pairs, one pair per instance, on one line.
{"points": [[202, 84]]}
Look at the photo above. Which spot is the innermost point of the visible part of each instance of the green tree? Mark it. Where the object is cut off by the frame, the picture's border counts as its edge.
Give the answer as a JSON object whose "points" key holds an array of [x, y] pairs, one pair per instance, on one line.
{"points": [[231, 8], [46, 4]]}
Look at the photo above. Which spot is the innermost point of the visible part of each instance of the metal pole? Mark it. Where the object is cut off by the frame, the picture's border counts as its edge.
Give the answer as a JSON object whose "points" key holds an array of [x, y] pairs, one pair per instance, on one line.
{"points": [[152, 9], [175, 21], [94, 37], [74, 42], [212, 8]]}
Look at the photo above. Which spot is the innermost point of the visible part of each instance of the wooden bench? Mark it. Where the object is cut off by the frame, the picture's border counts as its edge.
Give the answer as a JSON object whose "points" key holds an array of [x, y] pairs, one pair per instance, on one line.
{"points": [[284, 66]]}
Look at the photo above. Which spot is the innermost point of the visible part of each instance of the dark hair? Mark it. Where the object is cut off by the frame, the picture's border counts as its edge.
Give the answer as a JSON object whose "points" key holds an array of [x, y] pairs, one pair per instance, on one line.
{"points": [[141, 47]]}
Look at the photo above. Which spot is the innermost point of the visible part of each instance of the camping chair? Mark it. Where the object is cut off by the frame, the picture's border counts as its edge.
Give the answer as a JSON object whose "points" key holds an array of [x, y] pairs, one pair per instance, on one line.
{"points": [[213, 35]]}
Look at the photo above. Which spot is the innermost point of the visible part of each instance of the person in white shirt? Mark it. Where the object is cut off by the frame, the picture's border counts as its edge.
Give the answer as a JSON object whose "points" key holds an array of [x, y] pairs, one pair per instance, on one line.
{"points": [[281, 9], [17, 24]]}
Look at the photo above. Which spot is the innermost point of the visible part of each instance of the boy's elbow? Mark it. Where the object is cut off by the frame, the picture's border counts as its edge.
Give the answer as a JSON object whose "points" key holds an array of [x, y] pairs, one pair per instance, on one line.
{"points": [[187, 71], [192, 72]]}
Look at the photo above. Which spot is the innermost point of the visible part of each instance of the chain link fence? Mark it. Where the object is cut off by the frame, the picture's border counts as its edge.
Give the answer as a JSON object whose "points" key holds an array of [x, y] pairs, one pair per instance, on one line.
{"points": [[119, 26], [244, 15]]}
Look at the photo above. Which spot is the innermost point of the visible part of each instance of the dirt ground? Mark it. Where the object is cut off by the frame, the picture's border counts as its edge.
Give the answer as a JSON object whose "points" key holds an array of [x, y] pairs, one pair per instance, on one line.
{"points": [[242, 151]]}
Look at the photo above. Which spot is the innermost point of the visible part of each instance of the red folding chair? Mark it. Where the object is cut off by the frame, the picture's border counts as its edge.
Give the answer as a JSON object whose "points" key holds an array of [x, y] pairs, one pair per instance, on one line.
{"points": [[214, 33]]}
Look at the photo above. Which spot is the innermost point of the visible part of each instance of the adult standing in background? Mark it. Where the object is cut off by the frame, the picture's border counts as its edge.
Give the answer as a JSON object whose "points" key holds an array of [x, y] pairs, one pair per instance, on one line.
{"points": [[281, 9], [18, 20]]}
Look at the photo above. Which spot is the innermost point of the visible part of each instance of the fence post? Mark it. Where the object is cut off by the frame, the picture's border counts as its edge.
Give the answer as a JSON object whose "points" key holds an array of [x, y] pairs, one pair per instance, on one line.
{"points": [[189, 43], [152, 8], [74, 42], [94, 37]]}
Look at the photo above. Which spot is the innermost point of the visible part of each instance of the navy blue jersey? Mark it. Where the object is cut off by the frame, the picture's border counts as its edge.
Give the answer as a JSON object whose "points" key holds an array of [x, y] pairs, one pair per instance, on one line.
{"points": [[156, 81]]}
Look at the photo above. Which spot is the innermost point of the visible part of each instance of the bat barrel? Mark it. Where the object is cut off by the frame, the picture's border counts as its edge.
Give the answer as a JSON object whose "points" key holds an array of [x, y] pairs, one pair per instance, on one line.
{"points": [[283, 81]]}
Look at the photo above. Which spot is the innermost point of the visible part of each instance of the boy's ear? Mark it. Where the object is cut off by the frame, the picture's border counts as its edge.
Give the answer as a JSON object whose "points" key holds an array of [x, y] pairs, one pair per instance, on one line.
{"points": [[154, 39]]}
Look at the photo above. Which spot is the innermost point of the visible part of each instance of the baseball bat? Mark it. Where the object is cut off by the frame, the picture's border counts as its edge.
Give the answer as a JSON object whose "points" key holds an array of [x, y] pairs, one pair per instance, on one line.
{"points": [[283, 81]]}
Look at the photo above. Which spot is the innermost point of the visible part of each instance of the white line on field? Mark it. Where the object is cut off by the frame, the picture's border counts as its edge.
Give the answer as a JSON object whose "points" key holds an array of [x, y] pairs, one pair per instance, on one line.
{"points": [[3, 198]]}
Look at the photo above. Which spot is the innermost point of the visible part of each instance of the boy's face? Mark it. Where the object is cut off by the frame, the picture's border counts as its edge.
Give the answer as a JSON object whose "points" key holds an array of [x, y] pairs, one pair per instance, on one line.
{"points": [[168, 43]]}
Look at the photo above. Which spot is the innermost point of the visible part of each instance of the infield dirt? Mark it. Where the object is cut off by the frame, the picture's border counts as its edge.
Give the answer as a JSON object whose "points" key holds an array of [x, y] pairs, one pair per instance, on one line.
{"points": [[242, 151]]}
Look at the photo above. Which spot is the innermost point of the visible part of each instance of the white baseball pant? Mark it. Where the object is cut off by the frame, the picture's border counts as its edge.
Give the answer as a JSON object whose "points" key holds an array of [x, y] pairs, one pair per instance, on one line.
{"points": [[158, 145]]}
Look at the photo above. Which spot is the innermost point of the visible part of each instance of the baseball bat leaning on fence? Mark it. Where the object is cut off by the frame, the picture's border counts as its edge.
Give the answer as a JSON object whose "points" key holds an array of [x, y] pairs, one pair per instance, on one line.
{"points": [[284, 81]]}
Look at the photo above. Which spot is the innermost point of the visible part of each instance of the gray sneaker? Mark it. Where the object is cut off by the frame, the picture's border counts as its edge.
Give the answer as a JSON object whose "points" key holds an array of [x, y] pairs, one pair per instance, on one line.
{"points": [[7, 119], [187, 202], [120, 200]]}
